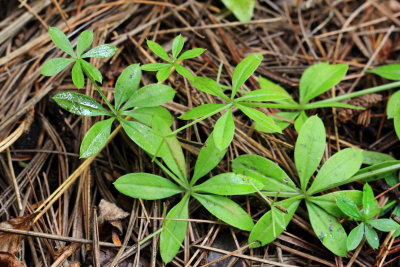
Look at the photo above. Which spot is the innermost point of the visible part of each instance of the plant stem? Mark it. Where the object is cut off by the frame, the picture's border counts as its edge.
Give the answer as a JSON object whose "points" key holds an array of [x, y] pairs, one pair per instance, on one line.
{"points": [[357, 94], [101, 93], [271, 105]]}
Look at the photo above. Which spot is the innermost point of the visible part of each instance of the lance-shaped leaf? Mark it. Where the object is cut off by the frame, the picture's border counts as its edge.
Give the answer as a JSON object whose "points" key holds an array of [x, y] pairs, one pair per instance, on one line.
{"points": [[208, 158], [244, 70], [101, 51], [191, 53], [273, 223], [55, 65], [226, 210], [164, 73], [242, 9], [171, 151], [177, 45], [393, 105], [309, 149], [355, 237], [384, 225], [396, 120], [370, 204], [150, 96], [224, 130], [85, 39], [143, 136], [61, 41], [319, 78], [208, 86], [126, 84], [262, 169], [390, 71], [372, 237], [158, 50], [77, 75], [328, 201], [348, 207], [80, 104], [263, 95], [300, 120], [229, 184], [328, 230], [337, 169], [173, 231], [91, 71], [266, 84], [96, 138], [146, 186], [263, 122], [183, 71], [154, 66], [201, 111], [146, 115]]}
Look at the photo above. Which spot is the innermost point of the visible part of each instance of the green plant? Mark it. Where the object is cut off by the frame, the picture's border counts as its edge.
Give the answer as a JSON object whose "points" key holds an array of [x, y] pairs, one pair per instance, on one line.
{"points": [[164, 70], [340, 169], [242, 9], [211, 194], [366, 216]]}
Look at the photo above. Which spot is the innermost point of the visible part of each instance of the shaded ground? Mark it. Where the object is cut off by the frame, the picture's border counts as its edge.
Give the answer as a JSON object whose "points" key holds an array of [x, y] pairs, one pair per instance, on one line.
{"points": [[45, 139]]}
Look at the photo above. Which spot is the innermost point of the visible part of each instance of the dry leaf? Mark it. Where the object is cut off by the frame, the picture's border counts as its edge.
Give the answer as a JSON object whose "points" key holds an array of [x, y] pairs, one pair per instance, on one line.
{"points": [[109, 212], [9, 260]]}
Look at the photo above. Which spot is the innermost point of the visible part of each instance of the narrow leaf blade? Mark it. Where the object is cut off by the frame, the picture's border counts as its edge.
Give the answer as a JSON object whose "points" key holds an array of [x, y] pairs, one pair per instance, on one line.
{"points": [[224, 130], [55, 65], [96, 138], [80, 104], [127, 82], [101, 51], [85, 39], [244, 70], [77, 75], [61, 41]]}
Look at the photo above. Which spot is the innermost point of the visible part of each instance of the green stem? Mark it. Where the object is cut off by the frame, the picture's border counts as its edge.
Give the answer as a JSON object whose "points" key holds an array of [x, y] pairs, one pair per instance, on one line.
{"points": [[272, 105], [141, 242], [356, 94], [184, 183], [101, 93]]}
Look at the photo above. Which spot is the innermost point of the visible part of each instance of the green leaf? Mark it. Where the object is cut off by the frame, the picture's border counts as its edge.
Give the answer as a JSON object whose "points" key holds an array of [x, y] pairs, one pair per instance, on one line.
{"points": [[370, 205], [337, 169], [61, 41], [355, 237], [173, 231], [328, 201], [150, 95], [164, 73], [372, 237], [266, 84], [319, 78], [183, 72], [397, 123], [390, 71], [101, 51], [154, 66], [263, 95], [229, 184], [374, 172], [372, 157], [77, 75], [208, 86], [172, 151], [244, 70], [80, 104], [309, 149], [143, 136], [266, 171], [85, 39], [201, 111], [177, 45], [96, 138], [263, 122], [158, 50], [224, 130], [328, 230], [282, 119], [55, 65], [267, 229], [191, 53], [127, 82], [226, 210], [208, 158], [384, 225], [348, 207], [146, 186], [91, 71], [300, 120], [242, 9], [146, 115], [393, 105]]}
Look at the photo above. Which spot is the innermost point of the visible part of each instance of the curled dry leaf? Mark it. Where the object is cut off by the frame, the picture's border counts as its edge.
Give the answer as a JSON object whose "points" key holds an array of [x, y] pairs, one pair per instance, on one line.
{"points": [[109, 212], [9, 260]]}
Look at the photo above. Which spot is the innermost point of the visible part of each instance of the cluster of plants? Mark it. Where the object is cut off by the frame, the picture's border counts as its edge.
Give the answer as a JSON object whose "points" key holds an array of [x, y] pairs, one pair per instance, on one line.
{"points": [[138, 109]]}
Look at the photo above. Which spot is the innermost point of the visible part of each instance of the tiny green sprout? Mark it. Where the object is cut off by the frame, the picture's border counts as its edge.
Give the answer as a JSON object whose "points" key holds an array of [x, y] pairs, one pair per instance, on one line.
{"points": [[366, 216], [164, 70], [81, 66]]}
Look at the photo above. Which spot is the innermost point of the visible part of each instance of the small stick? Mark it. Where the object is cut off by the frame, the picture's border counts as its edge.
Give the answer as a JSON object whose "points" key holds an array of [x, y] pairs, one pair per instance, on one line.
{"points": [[14, 179]]}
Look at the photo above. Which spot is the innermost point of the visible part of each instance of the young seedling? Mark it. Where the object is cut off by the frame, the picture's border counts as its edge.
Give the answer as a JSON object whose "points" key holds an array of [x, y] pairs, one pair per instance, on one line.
{"points": [[366, 216], [341, 168], [164, 70], [211, 194]]}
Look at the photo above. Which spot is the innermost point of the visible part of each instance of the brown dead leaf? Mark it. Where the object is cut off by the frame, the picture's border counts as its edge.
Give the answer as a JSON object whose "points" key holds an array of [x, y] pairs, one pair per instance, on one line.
{"points": [[109, 212], [9, 260], [11, 243]]}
